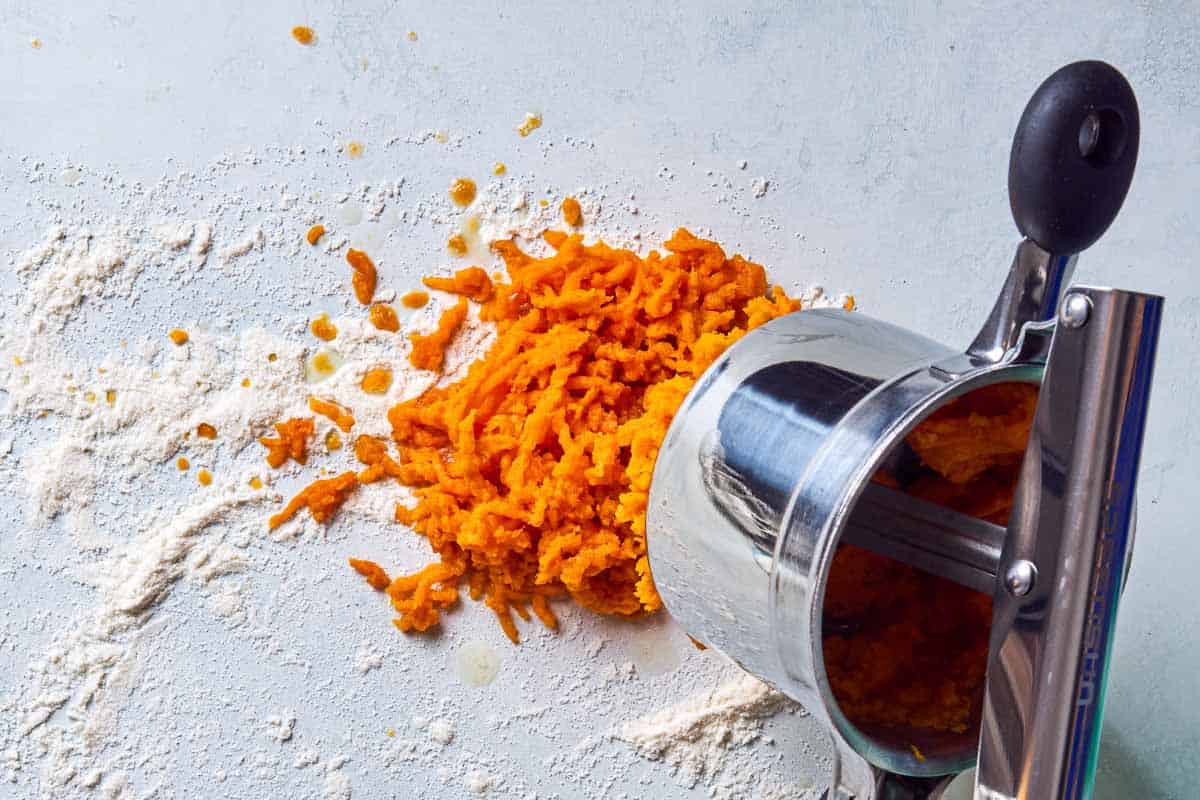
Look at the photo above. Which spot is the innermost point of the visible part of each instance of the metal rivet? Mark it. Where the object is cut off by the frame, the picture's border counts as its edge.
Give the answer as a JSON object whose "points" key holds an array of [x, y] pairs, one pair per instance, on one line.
{"points": [[1020, 577], [1075, 310]]}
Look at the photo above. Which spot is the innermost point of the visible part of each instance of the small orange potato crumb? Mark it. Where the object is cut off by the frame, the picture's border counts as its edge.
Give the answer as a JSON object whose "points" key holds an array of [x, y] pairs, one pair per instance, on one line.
{"points": [[429, 350], [365, 277], [377, 381], [531, 123], [245, 383], [849, 304], [256, 482], [315, 233], [354, 149], [375, 575], [333, 441], [341, 417], [292, 442], [412, 36], [543, 202], [457, 245], [383, 317], [272, 357], [373, 452], [472, 282], [110, 396], [304, 34], [205, 477], [182, 463], [416, 299], [178, 336], [499, 168], [462, 191], [206, 431], [323, 329], [572, 213], [322, 498]]}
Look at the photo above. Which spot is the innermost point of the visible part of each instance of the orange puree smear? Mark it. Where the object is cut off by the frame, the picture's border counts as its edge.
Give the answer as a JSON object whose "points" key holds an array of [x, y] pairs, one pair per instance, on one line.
{"points": [[206, 431], [314, 234], [377, 381], [415, 299], [292, 442], [572, 213], [365, 277], [323, 329], [303, 34], [333, 412], [383, 317], [462, 191], [178, 336], [429, 350], [472, 282], [322, 498], [531, 473]]}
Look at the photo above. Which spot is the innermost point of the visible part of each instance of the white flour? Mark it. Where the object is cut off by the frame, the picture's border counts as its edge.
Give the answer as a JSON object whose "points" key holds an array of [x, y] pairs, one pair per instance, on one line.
{"points": [[98, 406]]}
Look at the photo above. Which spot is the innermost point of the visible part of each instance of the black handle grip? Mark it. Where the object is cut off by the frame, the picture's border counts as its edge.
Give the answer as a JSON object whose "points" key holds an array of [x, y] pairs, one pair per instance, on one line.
{"points": [[1073, 157]]}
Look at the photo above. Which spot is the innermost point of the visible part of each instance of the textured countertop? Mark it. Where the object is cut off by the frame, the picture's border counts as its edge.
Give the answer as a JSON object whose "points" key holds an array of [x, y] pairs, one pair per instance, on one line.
{"points": [[863, 150]]}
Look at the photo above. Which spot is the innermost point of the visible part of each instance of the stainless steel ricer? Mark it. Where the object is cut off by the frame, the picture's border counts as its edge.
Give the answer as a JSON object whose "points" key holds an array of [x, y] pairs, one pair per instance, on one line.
{"points": [[768, 466]]}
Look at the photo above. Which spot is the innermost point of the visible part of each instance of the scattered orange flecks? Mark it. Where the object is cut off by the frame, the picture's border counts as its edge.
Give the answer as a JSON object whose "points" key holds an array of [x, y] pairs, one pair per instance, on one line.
{"points": [[304, 34], [457, 244], [354, 149], [412, 36], [256, 482], [499, 168], [323, 329], [365, 276], [429, 350], [178, 336], [377, 381], [205, 477], [462, 191], [322, 498], [531, 123], [341, 417], [544, 203], [245, 383], [110, 396], [206, 431], [849, 304], [572, 213], [291, 442], [182, 463], [333, 441], [314, 234], [472, 282], [415, 299], [383, 317]]}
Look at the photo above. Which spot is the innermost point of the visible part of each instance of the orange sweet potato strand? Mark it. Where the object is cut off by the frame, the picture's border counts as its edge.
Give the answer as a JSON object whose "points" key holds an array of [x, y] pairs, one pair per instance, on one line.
{"points": [[472, 282], [531, 473], [292, 442], [429, 350], [364, 275], [375, 574], [333, 412], [322, 498]]}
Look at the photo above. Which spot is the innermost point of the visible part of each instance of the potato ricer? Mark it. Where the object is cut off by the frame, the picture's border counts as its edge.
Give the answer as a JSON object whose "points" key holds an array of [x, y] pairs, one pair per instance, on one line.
{"points": [[771, 465]]}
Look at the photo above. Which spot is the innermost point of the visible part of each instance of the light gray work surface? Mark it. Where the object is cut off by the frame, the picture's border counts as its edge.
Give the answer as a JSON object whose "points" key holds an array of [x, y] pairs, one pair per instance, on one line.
{"points": [[882, 130]]}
